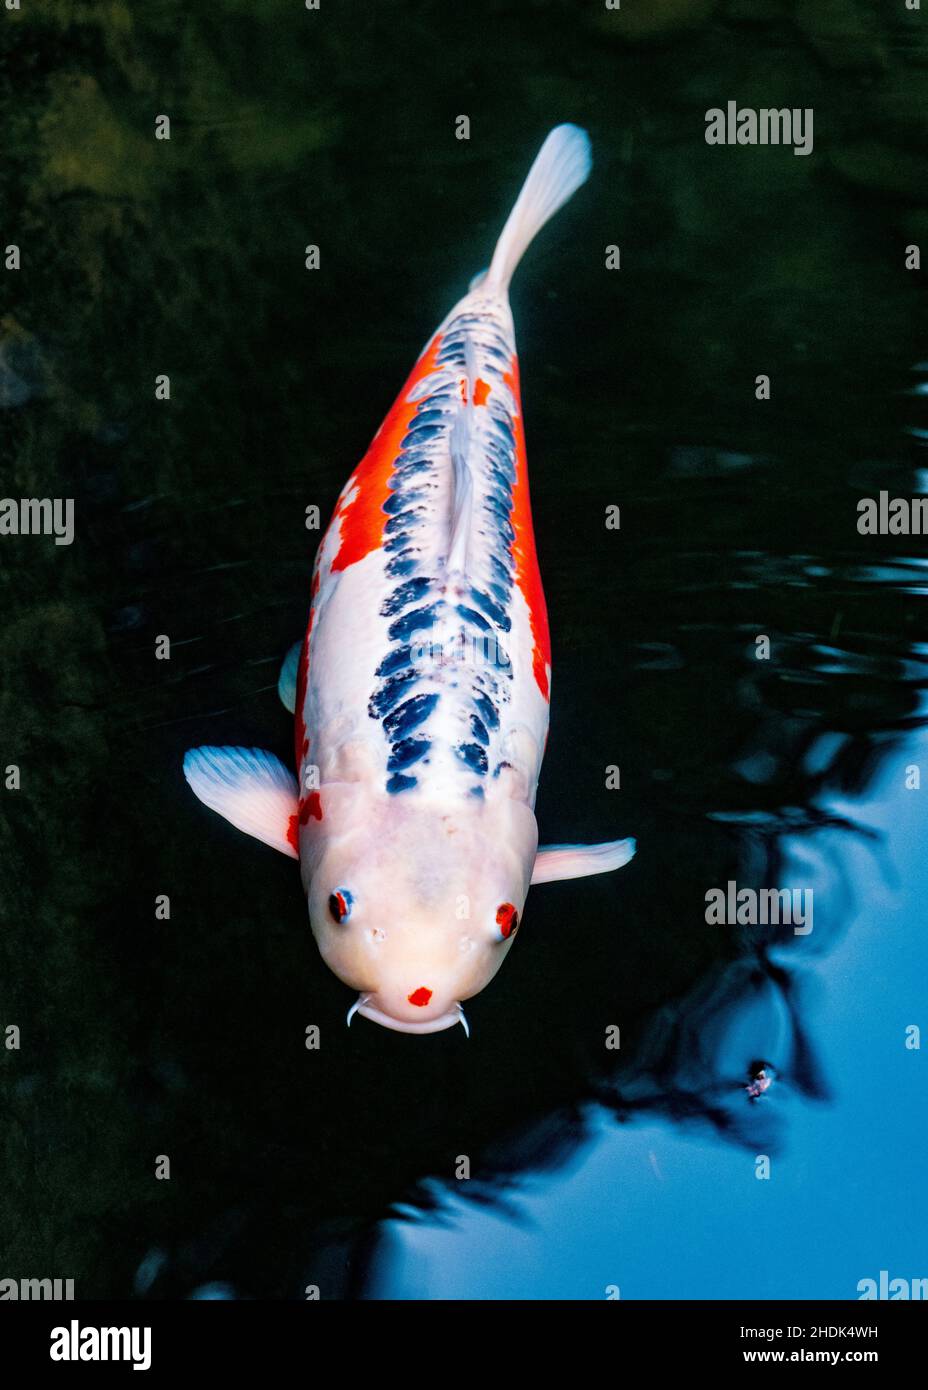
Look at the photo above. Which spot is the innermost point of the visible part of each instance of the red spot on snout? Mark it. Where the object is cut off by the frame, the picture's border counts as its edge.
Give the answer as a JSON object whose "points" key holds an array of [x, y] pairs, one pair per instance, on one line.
{"points": [[420, 997]]}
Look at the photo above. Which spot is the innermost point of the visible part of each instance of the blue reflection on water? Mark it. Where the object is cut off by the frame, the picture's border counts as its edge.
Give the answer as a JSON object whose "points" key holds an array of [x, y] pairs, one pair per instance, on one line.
{"points": [[664, 1211]]}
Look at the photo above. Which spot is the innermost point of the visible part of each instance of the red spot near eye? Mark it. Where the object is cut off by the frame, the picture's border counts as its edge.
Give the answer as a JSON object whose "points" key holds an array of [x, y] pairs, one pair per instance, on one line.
{"points": [[312, 806], [481, 391], [507, 919], [293, 833], [420, 997]]}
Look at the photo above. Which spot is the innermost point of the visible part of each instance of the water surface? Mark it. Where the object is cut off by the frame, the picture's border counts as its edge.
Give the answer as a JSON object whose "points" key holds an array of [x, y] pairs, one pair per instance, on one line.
{"points": [[590, 1168]]}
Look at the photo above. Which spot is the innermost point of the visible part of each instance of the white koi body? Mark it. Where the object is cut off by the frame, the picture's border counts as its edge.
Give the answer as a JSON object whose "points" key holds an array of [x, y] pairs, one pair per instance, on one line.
{"points": [[421, 689]]}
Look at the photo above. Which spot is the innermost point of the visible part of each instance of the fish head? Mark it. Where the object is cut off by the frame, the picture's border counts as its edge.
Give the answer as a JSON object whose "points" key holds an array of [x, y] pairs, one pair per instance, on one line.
{"points": [[413, 905]]}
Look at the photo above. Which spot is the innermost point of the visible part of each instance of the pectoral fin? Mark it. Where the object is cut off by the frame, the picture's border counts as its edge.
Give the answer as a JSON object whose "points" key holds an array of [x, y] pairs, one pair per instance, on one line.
{"points": [[251, 789], [286, 681], [553, 862]]}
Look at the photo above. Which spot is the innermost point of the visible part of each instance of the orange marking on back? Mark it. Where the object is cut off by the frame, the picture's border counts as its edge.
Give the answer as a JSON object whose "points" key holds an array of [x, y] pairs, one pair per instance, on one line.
{"points": [[481, 391], [361, 521], [301, 742], [528, 575]]}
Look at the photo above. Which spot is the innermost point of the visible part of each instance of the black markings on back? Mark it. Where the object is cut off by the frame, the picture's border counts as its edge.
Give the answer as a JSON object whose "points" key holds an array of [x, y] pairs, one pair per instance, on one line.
{"points": [[480, 613]]}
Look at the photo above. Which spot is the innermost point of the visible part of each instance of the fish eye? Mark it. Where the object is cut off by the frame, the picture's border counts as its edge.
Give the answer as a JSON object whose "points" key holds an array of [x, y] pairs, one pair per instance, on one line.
{"points": [[507, 919], [340, 905]]}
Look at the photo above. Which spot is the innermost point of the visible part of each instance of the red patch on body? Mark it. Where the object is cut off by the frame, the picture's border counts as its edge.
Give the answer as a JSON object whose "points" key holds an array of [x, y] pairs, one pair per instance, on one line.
{"points": [[481, 391], [420, 997], [361, 521], [528, 575], [302, 679], [312, 806], [293, 833], [300, 741], [507, 919]]}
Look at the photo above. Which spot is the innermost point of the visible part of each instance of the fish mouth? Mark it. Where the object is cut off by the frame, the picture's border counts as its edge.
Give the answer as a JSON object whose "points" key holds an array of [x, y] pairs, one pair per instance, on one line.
{"points": [[366, 1009]]}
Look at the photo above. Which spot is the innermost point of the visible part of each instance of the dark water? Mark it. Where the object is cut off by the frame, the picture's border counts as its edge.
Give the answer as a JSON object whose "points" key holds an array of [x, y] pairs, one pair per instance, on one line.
{"points": [[185, 1037]]}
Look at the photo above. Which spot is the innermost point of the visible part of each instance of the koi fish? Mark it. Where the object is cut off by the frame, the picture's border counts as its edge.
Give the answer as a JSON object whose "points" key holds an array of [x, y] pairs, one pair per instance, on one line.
{"points": [[420, 692]]}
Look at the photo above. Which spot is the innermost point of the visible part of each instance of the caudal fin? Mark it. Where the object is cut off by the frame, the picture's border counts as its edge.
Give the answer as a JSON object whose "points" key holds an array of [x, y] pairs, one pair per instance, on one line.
{"points": [[562, 164]]}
